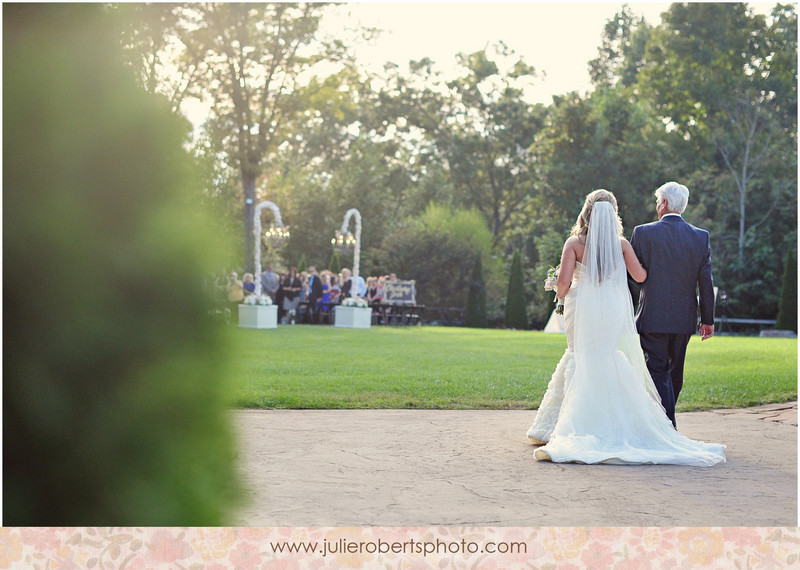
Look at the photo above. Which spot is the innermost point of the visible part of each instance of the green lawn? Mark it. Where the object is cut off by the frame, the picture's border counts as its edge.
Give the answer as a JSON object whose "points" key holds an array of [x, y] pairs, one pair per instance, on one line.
{"points": [[461, 368]]}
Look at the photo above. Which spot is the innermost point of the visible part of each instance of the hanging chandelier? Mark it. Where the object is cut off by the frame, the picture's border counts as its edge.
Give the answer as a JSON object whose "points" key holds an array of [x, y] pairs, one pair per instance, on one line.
{"points": [[343, 242], [276, 236]]}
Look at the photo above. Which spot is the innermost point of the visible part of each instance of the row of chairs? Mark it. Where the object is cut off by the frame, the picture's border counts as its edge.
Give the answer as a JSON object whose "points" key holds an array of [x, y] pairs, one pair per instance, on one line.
{"points": [[398, 315]]}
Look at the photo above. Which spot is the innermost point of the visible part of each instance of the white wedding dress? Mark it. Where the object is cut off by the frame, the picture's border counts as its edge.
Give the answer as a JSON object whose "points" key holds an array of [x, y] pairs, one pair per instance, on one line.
{"points": [[601, 405]]}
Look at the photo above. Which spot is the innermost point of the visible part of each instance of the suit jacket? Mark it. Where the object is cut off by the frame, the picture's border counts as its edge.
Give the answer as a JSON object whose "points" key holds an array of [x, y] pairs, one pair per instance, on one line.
{"points": [[677, 257]]}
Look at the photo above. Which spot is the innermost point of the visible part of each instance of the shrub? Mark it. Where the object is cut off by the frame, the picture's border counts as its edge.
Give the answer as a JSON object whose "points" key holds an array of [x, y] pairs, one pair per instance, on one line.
{"points": [[438, 250], [113, 409]]}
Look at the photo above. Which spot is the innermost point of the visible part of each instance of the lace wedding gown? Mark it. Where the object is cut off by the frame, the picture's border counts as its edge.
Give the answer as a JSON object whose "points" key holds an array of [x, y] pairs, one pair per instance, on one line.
{"points": [[601, 405]]}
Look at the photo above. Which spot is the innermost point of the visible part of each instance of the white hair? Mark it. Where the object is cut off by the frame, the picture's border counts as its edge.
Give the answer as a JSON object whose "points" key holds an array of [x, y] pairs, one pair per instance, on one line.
{"points": [[676, 195]]}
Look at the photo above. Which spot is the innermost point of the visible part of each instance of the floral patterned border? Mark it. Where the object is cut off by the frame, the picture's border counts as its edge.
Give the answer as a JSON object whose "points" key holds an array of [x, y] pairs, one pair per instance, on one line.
{"points": [[564, 548]]}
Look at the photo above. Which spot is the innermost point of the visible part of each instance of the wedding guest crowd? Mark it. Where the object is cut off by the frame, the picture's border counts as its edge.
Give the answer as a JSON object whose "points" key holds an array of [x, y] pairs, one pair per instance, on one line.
{"points": [[305, 297]]}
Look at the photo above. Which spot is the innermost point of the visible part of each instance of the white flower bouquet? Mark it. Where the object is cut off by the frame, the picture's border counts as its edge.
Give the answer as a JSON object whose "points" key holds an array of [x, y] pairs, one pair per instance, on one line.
{"points": [[355, 302], [551, 283], [262, 300]]}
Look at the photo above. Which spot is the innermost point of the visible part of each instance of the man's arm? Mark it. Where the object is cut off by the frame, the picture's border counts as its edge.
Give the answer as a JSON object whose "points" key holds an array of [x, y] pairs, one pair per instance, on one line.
{"points": [[705, 284]]}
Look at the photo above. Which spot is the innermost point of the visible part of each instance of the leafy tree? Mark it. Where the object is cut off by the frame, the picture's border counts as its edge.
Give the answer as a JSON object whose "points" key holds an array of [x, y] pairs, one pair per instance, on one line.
{"points": [[365, 178], [709, 72], [478, 126], [606, 140], [147, 32], [516, 316], [247, 60], [622, 51]]}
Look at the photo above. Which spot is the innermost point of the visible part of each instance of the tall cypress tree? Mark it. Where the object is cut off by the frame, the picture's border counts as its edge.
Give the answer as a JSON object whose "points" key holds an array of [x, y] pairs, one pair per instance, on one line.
{"points": [[303, 264], [476, 299], [516, 316], [334, 265], [787, 304]]}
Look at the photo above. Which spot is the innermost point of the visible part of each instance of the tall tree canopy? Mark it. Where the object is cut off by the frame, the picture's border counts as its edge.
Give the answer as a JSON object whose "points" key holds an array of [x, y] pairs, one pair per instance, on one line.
{"points": [[248, 61], [710, 72]]}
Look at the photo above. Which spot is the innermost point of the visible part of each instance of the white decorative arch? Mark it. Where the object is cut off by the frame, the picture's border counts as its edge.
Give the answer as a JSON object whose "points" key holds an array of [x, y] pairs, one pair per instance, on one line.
{"points": [[257, 229], [357, 252]]}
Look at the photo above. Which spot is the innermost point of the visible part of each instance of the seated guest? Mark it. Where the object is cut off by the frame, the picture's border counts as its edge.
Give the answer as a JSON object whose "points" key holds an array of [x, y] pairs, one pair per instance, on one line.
{"points": [[344, 278], [291, 292], [336, 291], [373, 296], [249, 285], [235, 291], [381, 282]]}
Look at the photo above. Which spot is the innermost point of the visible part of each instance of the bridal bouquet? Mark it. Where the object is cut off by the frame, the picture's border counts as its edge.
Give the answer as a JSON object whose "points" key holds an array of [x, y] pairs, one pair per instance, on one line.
{"points": [[257, 300], [551, 283], [355, 302]]}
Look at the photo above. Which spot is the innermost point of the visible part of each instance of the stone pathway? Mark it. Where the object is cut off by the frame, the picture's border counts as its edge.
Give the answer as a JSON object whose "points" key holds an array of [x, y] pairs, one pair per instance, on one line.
{"points": [[782, 413], [476, 467]]}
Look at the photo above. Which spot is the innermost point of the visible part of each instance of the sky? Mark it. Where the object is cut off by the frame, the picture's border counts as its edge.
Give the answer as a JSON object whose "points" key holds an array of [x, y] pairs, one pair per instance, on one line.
{"points": [[557, 38]]}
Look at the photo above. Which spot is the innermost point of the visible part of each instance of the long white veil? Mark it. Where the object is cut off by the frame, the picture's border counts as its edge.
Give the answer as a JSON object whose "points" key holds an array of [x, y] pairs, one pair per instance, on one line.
{"points": [[604, 319]]}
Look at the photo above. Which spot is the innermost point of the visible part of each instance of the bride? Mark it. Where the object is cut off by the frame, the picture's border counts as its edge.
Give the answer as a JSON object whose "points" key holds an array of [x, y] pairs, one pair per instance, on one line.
{"points": [[601, 405]]}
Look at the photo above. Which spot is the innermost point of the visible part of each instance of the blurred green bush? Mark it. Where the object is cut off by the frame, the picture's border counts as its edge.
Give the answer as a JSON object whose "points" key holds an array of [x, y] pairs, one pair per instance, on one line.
{"points": [[113, 404]]}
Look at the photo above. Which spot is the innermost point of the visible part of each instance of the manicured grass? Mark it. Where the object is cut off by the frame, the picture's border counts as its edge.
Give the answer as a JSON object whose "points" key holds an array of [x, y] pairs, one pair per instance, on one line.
{"points": [[459, 368]]}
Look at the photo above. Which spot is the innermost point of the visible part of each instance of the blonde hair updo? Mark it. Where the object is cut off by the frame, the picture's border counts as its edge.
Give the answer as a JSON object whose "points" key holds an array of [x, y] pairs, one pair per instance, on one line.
{"points": [[581, 226]]}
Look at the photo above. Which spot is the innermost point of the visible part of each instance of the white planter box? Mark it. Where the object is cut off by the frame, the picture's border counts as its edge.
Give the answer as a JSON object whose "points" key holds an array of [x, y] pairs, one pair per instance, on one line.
{"points": [[258, 316], [352, 317]]}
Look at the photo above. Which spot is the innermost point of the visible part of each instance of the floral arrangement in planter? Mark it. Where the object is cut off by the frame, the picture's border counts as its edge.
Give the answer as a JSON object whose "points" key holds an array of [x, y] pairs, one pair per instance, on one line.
{"points": [[355, 302], [262, 300]]}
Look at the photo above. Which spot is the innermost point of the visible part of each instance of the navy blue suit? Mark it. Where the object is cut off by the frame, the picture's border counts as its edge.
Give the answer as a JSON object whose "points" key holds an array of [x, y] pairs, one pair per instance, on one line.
{"points": [[677, 257]]}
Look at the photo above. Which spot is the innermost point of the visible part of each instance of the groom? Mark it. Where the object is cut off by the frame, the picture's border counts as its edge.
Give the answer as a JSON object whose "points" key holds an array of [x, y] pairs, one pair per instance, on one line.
{"points": [[677, 257]]}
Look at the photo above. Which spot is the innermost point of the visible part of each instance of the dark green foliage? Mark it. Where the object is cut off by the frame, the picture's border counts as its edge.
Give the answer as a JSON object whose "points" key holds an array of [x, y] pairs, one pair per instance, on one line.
{"points": [[787, 305], [114, 411], [302, 265], [335, 266], [476, 298], [435, 261], [516, 315], [437, 250]]}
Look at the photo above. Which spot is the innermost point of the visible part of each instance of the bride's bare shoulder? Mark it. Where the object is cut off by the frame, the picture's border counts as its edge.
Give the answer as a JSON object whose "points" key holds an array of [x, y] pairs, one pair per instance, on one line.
{"points": [[573, 241]]}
